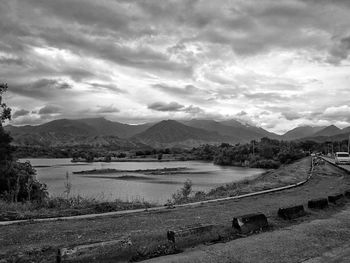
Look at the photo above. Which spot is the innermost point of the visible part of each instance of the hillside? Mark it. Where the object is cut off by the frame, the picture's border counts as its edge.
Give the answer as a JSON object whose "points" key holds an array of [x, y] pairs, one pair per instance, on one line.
{"points": [[235, 132], [89, 132], [301, 132], [328, 131], [187, 133], [86, 127], [260, 132], [105, 127], [173, 133]]}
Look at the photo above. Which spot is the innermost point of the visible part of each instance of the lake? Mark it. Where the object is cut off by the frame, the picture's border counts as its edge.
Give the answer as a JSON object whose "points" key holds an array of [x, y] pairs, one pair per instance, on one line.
{"points": [[134, 185]]}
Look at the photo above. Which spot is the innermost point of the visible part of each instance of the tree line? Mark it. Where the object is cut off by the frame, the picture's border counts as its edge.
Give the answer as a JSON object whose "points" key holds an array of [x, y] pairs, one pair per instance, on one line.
{"points": [[266, 153]]}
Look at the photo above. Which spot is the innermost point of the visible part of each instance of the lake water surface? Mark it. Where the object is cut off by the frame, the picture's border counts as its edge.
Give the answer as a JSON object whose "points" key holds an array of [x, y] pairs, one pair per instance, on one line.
{"points": [[133, 185]]}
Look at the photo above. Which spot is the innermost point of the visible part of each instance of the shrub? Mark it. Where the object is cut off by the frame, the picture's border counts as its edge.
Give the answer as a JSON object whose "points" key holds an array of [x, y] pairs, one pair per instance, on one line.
{"points": [[183, 194], [266, 164]]}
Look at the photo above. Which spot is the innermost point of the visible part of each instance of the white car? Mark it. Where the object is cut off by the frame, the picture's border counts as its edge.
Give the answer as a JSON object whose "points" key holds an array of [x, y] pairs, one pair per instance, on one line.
{"points": [[342, 158]]}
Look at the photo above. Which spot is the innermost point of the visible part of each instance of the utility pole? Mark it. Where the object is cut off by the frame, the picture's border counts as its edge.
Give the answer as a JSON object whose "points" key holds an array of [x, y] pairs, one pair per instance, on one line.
{"points": [[348, 143]]}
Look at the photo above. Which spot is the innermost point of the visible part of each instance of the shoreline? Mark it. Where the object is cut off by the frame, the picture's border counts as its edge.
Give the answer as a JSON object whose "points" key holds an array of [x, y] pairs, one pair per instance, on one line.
{"points": [[259, 183], [146, 171]]}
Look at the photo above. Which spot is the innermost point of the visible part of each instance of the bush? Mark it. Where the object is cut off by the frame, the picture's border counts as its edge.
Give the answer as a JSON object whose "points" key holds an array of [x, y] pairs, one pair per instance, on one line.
{"points": [[266, 164], [19, 184], [183, 194]]}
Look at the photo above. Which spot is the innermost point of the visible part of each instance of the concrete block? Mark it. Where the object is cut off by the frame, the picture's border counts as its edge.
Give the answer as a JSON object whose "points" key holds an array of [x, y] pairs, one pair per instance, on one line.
{"points": [[194, 234], [336, 199], [250, 223], [320, 203], [291, 212], [347, 193], [86, 250]]}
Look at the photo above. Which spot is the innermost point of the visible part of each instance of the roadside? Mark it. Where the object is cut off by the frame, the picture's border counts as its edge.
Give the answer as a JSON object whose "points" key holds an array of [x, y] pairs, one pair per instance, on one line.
{"points": [[318, 241], [41, 240]]}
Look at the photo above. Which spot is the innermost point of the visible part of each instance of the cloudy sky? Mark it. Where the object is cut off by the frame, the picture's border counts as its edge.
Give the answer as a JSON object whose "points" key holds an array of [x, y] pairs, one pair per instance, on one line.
{"points": [[277, 64]]}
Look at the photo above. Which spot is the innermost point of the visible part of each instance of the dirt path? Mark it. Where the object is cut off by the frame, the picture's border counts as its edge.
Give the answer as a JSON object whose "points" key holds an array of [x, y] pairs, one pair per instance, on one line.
{"points": [[42, 239]]}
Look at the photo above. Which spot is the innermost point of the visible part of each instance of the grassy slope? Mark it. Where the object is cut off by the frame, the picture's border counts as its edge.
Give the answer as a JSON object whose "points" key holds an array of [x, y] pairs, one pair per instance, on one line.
{"points": [[42, 239], [55, 207]]}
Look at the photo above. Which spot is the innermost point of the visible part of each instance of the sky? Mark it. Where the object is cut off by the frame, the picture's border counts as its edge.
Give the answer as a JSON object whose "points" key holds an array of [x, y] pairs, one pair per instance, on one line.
{"points": [[274, 64]]}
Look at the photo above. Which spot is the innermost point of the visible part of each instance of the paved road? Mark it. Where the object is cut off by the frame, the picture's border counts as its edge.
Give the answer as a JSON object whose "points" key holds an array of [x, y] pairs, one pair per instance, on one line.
{"points": [[331, 160], [318, 241]]}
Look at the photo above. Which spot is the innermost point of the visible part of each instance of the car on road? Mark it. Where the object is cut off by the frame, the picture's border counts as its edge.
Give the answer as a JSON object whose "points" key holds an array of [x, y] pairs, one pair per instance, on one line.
{"points": [[342, 158]]}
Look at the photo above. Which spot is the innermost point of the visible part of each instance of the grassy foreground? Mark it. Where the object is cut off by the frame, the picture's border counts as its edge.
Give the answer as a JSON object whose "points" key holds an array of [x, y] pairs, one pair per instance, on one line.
{"points": [[39, 241], [60, 206]]}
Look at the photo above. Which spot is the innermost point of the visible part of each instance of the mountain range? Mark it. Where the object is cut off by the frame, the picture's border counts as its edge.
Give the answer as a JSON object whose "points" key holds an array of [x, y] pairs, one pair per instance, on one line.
{"points": [[167, 133]]}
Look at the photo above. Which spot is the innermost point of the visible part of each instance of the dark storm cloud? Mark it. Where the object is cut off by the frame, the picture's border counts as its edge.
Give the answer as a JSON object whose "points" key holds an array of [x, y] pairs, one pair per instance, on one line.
{"points": [[108, 109], [11, 61], [340, 51], [253, 27], [42, 88], [49, 46], [19, 113], [162, 106], [290, 115], [267, 96], [108, 49], [91, 13], [187, 90], [49, 109], [193, 110], [106, 87]]}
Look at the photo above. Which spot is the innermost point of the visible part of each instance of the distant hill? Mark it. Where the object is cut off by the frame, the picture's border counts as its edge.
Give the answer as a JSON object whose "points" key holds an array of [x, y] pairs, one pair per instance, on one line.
{"points": [[105, 127], [170, 133], [89, 132], [328, 131], [87, 127], [301, 132], [62, 126], [233, 130], [257, 130], [186, 133]]}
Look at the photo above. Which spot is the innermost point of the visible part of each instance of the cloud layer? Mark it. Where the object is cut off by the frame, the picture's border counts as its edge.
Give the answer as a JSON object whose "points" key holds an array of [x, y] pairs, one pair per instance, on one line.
{"points": [[282, 63]]}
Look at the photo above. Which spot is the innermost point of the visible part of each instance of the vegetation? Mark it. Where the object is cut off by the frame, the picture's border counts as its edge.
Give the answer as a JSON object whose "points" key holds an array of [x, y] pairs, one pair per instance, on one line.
{"points": [[182, 195], [266, 153], [63, 206], [286, 175], [17, 180]]}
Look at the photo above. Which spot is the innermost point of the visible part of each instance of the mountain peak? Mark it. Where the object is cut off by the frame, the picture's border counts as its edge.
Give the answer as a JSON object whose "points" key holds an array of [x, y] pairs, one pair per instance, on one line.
{"points": [[328, 131], [302, 132]]}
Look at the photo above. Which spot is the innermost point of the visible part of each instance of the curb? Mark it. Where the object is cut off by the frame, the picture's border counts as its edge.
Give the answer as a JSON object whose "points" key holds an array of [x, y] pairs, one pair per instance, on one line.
{"points": [[338, 166], [158, 208]]}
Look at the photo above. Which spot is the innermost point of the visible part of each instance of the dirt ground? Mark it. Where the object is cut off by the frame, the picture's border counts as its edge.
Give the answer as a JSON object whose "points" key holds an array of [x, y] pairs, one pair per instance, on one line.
{"points": [[39, 241]]}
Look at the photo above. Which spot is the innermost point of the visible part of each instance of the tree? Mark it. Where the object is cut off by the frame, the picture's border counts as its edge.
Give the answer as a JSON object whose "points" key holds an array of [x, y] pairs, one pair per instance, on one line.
{"points": [[6, 149], [160, 156], [5, 112], [183, 194], [17, 180]]}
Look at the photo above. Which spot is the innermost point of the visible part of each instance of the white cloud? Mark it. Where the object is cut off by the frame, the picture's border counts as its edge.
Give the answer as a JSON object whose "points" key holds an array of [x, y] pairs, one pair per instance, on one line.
{"points": [[212, 60]]}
